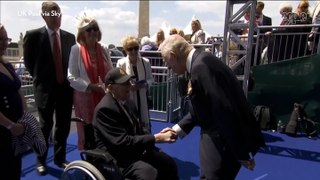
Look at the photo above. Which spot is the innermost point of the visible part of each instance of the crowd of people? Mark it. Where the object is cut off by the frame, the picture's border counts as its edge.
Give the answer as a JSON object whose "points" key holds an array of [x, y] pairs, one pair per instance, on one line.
{"points": [[69, 71], [77, 71], [272, 46], [197, 36]]}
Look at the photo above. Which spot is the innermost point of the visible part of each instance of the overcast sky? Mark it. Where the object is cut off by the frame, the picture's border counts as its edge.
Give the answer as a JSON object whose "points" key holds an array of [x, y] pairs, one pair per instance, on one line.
{"points": [[120, 18]]}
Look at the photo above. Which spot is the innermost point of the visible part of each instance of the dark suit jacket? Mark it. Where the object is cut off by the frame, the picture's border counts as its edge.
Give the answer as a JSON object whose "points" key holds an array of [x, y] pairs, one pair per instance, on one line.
{"points": [[38, 60], [220, 106], [266, 21], [115, 132]]}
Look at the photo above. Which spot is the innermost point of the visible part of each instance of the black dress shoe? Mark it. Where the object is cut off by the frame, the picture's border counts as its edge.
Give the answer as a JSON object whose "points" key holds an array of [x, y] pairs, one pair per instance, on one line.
{"points": [[41, 170], [62, 164]]}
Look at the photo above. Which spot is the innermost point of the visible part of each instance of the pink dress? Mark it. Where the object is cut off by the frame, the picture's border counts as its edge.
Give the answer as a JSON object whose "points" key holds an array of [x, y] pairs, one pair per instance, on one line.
{"points": [[85, 102]]}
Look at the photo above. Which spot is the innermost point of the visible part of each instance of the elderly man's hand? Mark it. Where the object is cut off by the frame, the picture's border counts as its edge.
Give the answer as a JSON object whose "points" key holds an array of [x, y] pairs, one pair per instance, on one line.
{"points": [[167, 135], [249, 164], [98, 87]]}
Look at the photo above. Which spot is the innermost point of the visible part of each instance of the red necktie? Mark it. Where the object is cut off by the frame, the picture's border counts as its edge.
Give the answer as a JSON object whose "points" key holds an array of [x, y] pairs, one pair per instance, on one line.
{"points": [[57, 58]]}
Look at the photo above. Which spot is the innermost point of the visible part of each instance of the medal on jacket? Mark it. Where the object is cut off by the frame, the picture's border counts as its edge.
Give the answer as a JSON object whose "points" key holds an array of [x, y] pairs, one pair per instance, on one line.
{"points": [[189, 89]]}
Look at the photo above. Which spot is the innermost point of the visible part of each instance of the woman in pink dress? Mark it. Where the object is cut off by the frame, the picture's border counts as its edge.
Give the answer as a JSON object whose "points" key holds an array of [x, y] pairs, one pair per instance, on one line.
{"points": [[89, 62]]}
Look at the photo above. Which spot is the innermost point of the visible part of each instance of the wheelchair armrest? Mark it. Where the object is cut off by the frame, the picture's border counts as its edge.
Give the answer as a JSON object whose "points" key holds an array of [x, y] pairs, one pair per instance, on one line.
{"points": [[98, 153]]}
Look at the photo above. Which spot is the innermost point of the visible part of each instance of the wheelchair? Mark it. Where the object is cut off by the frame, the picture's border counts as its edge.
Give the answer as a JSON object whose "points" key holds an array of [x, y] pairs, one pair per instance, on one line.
{"points": [[95, 164]]}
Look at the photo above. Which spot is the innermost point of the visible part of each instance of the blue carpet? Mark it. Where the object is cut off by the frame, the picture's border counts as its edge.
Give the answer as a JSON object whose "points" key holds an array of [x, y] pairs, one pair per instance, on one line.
{"points": [[284, 158]]}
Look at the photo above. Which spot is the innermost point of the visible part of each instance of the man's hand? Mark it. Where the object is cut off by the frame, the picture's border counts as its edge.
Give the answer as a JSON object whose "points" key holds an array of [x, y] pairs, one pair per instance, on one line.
{"points": [[98, 87], [249, 164], [167, 135], [167, 129], [268, 33]]}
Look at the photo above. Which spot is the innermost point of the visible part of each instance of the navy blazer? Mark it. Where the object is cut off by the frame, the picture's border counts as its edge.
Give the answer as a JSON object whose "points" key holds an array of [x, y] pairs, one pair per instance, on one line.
{"points": [[220, 106], [38, 59]]}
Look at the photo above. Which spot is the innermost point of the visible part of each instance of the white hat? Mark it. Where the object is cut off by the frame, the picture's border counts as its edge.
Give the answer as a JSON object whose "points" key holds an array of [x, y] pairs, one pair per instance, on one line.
{"points": [[85, 20]]}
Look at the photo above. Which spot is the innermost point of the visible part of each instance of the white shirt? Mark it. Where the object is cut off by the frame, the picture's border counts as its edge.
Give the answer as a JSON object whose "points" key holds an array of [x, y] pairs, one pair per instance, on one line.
{"points": [[176, 127], [189, 59], [50, 33]]}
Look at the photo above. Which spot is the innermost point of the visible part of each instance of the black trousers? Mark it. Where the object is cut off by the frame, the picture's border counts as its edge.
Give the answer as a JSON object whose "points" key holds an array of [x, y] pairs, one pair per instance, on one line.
{"points": [[10, 165], [216, 160], [154, 165], [60, 104]]}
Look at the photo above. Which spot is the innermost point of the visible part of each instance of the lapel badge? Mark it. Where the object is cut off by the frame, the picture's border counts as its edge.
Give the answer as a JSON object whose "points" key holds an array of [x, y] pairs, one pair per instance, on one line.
{"points": [[189, 90]]}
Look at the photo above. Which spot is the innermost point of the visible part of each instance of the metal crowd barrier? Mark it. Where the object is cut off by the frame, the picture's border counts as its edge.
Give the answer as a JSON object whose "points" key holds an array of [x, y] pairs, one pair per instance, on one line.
{"points": [[285, 42], [26, 80], [165, 97], [161, 91]]}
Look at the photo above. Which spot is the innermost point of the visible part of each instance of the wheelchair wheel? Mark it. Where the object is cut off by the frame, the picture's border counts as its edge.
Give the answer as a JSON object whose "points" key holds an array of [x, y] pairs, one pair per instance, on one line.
{"points": [[81, 170]]}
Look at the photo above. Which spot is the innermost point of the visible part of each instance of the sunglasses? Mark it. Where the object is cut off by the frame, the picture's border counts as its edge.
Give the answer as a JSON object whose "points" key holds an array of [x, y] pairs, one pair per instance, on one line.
{"points": [[136, 48], [95, 29]]}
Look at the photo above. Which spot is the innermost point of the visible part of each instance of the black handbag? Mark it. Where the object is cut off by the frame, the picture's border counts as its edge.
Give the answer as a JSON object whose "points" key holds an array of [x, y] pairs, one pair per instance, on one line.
{"points": [[299, 119]]}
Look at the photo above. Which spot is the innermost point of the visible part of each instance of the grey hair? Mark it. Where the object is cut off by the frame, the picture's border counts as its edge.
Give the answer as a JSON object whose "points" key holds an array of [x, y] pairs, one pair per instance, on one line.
{"points": [[174, 43], [145, 40], [286, 5]]}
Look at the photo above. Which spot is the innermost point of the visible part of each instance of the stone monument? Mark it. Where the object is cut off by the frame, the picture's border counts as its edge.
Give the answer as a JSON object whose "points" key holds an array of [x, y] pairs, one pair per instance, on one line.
{"points": [[143, 29]]}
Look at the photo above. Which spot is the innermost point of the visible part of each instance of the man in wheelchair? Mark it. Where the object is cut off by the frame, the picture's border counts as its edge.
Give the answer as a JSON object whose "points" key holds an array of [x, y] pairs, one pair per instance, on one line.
{"points": [[117, 129]]}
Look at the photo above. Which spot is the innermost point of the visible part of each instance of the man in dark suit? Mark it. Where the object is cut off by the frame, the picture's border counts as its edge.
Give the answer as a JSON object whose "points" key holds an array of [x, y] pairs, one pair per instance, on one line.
{"points": [[46, 56], [118, 129], [230, 135], [262, 19]]}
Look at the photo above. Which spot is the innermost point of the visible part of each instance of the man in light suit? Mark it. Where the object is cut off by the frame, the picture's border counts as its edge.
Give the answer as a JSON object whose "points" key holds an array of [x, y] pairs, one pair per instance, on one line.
{"points": [[230, 135], [51, 88]]}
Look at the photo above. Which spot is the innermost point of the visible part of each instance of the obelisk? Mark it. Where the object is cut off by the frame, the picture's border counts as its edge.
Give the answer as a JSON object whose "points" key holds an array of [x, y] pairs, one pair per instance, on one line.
{"points": [[143, 29]]}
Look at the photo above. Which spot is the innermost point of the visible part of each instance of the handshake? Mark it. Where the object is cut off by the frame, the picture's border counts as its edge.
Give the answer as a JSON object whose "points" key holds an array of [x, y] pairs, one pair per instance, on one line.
{"points": [[167, 135]]}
